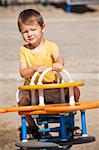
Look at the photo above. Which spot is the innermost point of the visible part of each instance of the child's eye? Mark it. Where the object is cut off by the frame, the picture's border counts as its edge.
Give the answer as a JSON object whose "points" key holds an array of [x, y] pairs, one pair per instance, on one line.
{"points": [[33, 29], [24, 32]]}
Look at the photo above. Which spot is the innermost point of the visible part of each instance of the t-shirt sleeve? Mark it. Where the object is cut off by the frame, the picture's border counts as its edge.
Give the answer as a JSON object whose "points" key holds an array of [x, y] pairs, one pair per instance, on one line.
{"points": [[55, 51]]}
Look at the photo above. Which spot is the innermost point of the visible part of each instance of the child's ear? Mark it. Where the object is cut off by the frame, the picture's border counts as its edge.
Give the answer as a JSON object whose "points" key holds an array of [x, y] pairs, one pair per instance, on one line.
{"points": [[43, 27]]}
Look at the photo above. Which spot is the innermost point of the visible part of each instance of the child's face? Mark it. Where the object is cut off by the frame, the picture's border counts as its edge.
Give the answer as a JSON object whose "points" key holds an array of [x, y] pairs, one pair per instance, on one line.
{"points": [[33, 34]]}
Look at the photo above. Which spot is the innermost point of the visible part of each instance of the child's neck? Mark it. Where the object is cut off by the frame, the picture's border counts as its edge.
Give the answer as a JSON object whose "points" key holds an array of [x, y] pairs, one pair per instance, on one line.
{"points": [[37, 47]]}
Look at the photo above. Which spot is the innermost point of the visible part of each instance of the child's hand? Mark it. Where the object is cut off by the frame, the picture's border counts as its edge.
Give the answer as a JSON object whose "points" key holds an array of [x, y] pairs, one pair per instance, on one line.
{"points": [[40, 69], [57, 67]]}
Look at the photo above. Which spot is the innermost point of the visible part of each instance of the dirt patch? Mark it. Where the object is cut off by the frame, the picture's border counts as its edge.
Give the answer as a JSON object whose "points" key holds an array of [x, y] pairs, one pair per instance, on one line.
{"points": [[7, 139]]}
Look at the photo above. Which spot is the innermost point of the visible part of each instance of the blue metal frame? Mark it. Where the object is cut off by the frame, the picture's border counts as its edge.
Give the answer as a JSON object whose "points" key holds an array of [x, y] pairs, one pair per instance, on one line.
{"points": [[83, 123], [66, 121], [72, 121], [68, 8], [63, 130], [24, 128]]}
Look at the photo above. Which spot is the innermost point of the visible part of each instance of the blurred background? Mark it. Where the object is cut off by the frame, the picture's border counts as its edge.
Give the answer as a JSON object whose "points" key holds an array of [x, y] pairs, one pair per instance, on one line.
{"points": [[74, 26]]}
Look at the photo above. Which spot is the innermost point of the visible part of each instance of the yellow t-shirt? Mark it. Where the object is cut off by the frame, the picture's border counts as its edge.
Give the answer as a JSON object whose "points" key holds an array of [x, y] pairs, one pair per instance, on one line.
{"points": [[42, 57]]}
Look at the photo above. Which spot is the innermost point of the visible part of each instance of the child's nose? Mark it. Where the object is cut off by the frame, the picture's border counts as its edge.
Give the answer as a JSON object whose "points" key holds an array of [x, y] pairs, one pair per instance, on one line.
{"points": [[29, 33]]}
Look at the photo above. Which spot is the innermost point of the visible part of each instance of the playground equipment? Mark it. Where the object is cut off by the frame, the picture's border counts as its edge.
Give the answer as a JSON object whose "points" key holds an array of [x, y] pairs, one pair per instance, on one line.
{"points": [[5, 3], [70, 3], [44, 2], [62, 115]]}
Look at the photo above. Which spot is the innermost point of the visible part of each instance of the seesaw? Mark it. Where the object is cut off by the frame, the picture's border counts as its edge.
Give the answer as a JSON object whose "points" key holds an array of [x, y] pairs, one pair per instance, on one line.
{"points": [[62, 114]]}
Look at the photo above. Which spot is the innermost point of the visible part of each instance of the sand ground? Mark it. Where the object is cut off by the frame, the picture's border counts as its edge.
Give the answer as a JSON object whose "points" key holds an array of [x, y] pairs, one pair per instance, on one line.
{"points": [[77, 35]]}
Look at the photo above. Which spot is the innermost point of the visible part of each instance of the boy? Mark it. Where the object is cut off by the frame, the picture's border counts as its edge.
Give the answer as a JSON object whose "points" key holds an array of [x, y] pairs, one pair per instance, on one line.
{"points": [[37, 55]]}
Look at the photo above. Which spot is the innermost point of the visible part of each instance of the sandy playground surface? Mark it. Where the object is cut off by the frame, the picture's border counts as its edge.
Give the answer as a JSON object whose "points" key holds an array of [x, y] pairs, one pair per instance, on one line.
{"points": [[77, 35]]}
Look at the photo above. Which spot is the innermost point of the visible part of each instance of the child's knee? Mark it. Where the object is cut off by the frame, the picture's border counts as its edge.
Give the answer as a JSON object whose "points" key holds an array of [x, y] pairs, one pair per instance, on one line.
{"points": [[24, 102], [76, 93], [24, 98]]}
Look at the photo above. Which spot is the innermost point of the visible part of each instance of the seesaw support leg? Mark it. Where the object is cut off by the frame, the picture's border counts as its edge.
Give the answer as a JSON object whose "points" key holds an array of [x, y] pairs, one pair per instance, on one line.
{"points": [[72, 121], [24, 129], [63, 132], [83, 123]]}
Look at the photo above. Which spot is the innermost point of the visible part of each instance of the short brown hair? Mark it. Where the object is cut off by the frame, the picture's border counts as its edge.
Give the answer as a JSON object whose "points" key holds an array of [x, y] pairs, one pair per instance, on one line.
{"points": [[28, 16]]}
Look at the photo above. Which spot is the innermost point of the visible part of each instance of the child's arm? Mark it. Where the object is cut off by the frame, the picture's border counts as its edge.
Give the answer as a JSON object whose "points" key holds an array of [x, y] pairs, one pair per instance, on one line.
{"points": [[58, 63], [28, 72]]}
